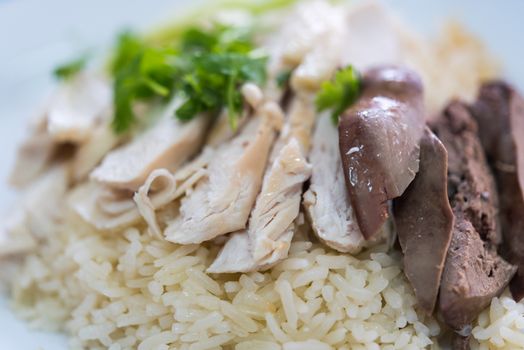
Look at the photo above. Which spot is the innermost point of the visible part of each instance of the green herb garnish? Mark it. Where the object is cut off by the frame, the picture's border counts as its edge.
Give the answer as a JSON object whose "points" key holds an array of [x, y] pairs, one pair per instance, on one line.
{"points": [[217, 64], [141, 72], [205, 67], [339, 93], [283, 78], [69, 69]]}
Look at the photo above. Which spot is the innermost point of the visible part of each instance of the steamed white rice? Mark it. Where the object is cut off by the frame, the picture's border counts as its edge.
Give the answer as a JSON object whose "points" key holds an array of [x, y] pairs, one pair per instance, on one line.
{"points": [[128, 290]]}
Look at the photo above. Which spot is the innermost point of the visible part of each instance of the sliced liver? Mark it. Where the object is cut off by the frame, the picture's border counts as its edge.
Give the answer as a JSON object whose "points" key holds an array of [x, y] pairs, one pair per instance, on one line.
{"points": [[474, 273], [499, 112], [471, 185], [460, 343], [424, 221], [379, 142]]}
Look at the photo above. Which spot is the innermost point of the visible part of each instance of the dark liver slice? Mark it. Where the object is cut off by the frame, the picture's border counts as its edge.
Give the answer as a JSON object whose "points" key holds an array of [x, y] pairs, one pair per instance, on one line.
{"points": [[474, 273], [424, 220], [499, 112], [471, 187], [379, 142], [460, 343]]}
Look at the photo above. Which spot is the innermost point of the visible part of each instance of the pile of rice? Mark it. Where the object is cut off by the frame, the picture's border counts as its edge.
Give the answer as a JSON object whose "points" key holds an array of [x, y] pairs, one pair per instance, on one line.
{"points": [[501, 326], [130, 291], [127, 290]]}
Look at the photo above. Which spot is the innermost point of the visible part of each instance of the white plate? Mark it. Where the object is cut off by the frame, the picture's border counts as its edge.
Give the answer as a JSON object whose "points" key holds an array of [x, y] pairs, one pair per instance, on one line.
{"points": [[36, 35]]}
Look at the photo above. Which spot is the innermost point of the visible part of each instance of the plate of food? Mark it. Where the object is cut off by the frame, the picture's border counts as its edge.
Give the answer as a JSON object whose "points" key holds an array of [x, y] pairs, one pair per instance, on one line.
{"points": [[272, 175]]}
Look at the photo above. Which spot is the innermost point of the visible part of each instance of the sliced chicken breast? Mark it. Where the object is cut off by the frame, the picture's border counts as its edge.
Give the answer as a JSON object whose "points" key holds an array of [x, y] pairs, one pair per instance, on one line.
{"points": [[168, 144], [162, 187], [70, 120], [89, 154], [271, 226], [102, 207], [235, 256], [183, 180], [305, 28], [77, 107], [221, 202], [32, 159], [326, 202], [322, 59]]}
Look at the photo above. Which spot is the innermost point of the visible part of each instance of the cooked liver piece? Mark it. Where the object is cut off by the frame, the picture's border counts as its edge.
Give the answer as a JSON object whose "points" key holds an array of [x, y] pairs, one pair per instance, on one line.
{"points": [[499, 111], [379, 142], [460, 343], [424, 220], [474, 273], [471, 186]]}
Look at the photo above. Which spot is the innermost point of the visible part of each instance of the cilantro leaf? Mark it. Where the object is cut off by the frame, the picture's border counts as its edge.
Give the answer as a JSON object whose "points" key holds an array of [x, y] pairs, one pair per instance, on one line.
{"points": [[140, 72], [221, 39], [283, 78], [339, 93], [128, 46], [214, 81], [218, 63], [206, 68], [70, 69]]}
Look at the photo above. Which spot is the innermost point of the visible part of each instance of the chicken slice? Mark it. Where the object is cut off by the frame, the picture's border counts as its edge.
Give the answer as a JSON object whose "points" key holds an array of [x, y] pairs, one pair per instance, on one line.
{"points": [[77, 107], [149, 198], [69, 121], [305, 28], [222, 131], [235, 256], [221, 202], [168, 144], [301, 32], [319, 64], [162, 187], [32, 159], [326, 202], [103, 207], [302, 118], [271, 226], [90, 153], [109, 209]]}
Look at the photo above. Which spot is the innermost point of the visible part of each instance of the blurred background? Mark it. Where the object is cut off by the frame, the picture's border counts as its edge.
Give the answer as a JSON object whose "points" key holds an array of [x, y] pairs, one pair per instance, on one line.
{"points": [[37, 35]]}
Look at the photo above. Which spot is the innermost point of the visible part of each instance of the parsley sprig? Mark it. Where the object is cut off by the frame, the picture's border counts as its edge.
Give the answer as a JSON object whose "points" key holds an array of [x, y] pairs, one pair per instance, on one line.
{"points": [[339, 93], [283, 78], [69, 69], [206, 68], [218, 63], [140, 72]]}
